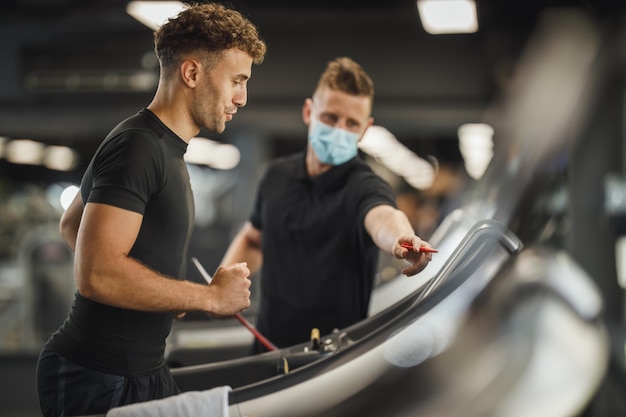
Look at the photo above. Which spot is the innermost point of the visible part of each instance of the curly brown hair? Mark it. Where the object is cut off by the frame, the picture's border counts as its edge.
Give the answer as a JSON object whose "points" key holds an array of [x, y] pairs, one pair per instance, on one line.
{"points": [[344, 74], [208, 29]]}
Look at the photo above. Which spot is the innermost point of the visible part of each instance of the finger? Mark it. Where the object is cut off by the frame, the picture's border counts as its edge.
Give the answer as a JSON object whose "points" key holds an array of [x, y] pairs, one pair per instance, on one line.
{"points": [[241, 268], [418, 265]]}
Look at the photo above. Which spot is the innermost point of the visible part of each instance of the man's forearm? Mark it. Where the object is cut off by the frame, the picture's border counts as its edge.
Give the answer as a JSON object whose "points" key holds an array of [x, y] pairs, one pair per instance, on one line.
{"points": [[245, 247], [386, 225]]}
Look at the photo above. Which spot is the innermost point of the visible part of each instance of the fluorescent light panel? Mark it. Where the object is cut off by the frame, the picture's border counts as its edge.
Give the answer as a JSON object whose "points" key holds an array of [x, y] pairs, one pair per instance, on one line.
{"points": [[24, 151], [203, 151], [154, 13], [448, 16], [476, 146], [382, 145]]}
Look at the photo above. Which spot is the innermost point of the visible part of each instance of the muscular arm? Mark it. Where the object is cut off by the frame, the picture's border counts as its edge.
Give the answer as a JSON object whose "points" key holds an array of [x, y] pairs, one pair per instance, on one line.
{"points": [[106, 274], [389, 227], [70, 220], [245, 247]]}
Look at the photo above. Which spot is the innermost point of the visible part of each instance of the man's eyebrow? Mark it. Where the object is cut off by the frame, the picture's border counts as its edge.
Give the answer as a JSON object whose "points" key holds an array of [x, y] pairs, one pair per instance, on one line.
{"points": [[243, 76]]}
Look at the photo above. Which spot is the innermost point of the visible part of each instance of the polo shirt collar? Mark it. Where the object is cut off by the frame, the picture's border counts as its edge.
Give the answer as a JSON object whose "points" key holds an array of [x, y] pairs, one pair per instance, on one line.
{"points": [[335, 177]]}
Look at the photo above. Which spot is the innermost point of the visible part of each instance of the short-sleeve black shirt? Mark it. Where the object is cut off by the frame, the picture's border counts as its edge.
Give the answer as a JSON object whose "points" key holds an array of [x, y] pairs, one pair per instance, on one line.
{"points": [[319, 262], [138, 167]]}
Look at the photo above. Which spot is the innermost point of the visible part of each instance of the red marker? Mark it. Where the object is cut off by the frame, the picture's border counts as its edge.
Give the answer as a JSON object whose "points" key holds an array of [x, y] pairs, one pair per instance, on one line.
{"points": [[421, 249]]}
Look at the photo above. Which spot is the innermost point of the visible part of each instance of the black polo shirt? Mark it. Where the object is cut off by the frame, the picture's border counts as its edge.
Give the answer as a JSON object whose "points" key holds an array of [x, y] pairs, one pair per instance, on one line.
{"points": [[319, 262]]}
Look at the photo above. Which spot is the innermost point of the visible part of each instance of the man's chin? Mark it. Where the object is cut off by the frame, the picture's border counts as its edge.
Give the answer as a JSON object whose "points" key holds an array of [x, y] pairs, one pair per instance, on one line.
{"points": [[216, 129]]}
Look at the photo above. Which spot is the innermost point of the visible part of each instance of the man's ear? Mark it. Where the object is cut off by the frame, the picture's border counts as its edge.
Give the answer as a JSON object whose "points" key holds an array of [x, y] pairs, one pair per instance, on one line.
{"points": [[306, 111], [370, 122], [189, 72]]}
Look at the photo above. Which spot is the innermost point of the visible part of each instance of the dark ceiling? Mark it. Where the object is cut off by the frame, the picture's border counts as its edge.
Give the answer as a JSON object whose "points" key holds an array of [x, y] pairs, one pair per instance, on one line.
{"points": [[426, 86]]}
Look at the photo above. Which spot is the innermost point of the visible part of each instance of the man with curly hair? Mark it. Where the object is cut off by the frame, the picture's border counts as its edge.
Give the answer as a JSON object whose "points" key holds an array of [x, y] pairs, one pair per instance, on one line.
{"points": [[131, 223]]}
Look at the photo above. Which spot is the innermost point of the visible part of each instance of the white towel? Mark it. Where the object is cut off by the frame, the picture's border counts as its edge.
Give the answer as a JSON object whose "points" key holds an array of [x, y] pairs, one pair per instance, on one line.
{"points": [[209, 403]]}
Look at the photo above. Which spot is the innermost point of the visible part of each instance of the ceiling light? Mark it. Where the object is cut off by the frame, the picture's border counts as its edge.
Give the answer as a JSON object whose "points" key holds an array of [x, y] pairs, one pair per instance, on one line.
{"points": [[59, 158], [203, 151], [476, 146], [382, 145], [154, 13], [448, 16], [24, 151], [67, 195], [226, 157]]}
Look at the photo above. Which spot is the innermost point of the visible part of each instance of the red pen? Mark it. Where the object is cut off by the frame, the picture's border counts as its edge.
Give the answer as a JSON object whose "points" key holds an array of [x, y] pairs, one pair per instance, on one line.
{"points": [[421, 249]]}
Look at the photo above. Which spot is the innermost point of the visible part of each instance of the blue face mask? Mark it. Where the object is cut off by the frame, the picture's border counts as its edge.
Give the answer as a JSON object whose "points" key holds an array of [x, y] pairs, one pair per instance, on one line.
{"points": [[332, 145]]}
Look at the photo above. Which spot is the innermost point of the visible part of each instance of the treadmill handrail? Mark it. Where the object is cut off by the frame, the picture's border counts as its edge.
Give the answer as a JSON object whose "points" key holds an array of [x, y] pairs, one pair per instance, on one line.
{"points": [[351, 346], [506, 238], [481, 229]]}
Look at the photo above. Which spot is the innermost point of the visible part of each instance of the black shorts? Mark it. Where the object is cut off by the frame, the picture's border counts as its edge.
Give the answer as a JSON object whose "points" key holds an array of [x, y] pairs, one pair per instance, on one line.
{"points": [[68, 389]]}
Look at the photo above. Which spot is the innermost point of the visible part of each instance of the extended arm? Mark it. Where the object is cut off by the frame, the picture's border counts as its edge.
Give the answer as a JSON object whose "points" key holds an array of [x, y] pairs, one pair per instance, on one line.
{"points": [[246, 247], [106, 274], [389, 228]]}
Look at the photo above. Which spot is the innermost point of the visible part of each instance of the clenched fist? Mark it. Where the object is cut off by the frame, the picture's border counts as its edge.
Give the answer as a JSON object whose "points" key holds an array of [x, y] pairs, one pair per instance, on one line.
{"points": [[229, 291]]}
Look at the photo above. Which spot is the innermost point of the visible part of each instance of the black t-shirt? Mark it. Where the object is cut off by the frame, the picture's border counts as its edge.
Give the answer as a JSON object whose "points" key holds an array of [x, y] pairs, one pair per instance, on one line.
{"points": [[138, 167], [319, 262]]}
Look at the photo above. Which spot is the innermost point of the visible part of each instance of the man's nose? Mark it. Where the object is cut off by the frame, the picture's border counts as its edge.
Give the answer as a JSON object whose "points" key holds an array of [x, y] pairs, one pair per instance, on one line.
{"points": [[241, 99]]}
